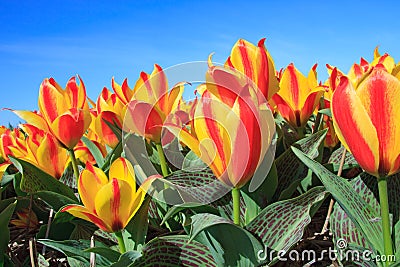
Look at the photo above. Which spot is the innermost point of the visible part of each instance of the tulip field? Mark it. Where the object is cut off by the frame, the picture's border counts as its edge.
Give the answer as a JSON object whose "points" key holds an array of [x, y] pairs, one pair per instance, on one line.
{"points": [[260, 167]]}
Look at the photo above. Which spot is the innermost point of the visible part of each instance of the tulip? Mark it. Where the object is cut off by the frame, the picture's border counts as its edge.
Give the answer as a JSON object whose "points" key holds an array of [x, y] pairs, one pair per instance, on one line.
{"points": [[66, 112], [108, 202], [109, 110], [366, 120], [231, 131], [152, 103], [256, 63], [44, 151], [150, 106], [12, 143], [298, 96]]}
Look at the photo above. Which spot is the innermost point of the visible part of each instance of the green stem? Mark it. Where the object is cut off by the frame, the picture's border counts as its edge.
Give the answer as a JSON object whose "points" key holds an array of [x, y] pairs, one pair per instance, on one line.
{"points": [[319, 118], [121, 242], [300, 132], [74, 163], [236, 205], [163, 162], [383, 197]]}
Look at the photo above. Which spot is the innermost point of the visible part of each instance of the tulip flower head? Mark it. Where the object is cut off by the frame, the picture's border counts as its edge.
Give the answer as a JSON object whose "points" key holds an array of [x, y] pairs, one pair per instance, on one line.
{"points": [[256, 63], [231, 129], [109, 202], [151, 104], [298, 96], [366, 120]]}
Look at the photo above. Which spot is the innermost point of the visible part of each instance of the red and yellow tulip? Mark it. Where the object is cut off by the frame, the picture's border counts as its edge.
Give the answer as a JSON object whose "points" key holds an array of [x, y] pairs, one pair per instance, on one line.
{"points": [[44, 151], [109, 109], [151, 104], [298, 96], [109, 202], [366, 120], [256, 63], [231, 129], [63, 112]]}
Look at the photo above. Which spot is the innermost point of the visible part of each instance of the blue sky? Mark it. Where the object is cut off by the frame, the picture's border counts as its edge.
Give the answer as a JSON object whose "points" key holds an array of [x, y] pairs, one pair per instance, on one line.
{"points": [[102, 39]]}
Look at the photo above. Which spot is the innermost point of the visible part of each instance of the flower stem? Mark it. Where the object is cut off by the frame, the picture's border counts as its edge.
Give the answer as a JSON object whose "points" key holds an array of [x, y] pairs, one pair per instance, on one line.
{"points": [[300, 132], [163, 162], [121, 242], [236, 205], [383, 198], [74, 163]]}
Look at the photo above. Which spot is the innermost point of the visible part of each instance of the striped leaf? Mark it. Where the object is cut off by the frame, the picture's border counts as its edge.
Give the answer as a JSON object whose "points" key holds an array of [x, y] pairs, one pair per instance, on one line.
{"points": [[175, 251], [281, 224], [359, 211]]}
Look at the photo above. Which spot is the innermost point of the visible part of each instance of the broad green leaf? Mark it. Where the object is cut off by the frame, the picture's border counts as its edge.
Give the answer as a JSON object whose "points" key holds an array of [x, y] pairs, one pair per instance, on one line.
{"points": [[127, 259], [282, 224], [94, 150], [34, 179], [359, 211], [367, 187], [107, 253], [194, 207], [291, 170], [76, 249], [113, 155], [5, 217], [172, 251], [135, 232], [192, 160], [335, 158], [326, 111], [55, 200], [196, 185], [222, 237]]}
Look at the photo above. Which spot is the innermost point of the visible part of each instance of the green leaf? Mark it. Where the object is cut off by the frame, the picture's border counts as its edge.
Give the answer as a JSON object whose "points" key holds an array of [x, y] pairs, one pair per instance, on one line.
{"points": [[94, 150], [113, 155], [192, 160], [76, 250], [55, 200], [127, 259], [282, 224], [367, 187], [34, 179], [194, 207], [222, 237], [175, 251], [105, 252], [359, 211], [291, 171], [326, 111], [135, 232], [5, 217]]}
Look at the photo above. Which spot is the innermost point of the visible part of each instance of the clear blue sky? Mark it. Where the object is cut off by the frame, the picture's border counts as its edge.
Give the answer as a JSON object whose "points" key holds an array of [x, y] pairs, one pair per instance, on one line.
{"points": [[101, 39]]}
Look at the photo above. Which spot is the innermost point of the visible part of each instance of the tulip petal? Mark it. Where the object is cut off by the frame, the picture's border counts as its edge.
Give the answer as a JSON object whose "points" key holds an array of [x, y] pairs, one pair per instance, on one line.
{"points": [[91, 180], [122, 169], [85, 214], [51, 101], [144, 119], [51, 157], [256, 63], [32, 118], [70, 127], [293, 87], [113, 203], [354, 127], [380, 95]]}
